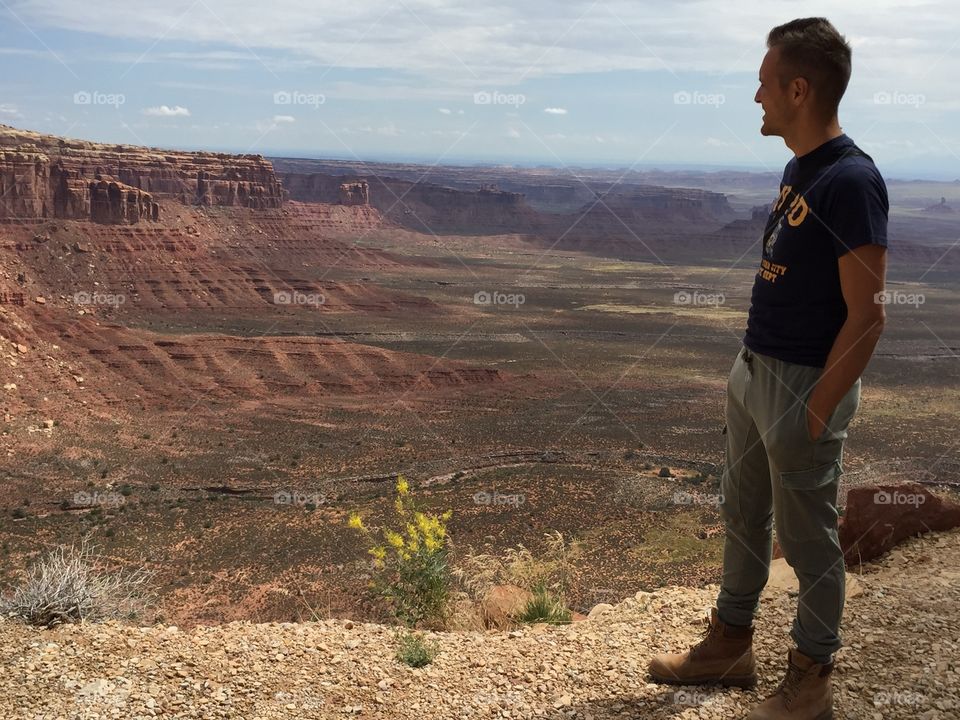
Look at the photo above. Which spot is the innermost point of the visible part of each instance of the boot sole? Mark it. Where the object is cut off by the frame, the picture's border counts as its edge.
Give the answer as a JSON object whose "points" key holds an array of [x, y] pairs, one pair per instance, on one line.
{"points": [[741, 681]]}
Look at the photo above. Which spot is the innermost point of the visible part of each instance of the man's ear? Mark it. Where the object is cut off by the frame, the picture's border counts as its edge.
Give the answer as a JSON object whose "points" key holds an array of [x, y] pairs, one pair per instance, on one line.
{"points": [[799, 90]]}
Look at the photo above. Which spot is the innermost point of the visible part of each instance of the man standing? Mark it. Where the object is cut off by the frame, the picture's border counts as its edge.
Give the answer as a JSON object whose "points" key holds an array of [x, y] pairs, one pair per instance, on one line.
{"points": [[816, 315]]}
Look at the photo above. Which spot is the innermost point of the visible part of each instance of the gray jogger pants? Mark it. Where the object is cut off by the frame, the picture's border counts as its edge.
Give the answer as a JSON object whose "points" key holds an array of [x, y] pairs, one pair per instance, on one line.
{"points": [[774, 472]]}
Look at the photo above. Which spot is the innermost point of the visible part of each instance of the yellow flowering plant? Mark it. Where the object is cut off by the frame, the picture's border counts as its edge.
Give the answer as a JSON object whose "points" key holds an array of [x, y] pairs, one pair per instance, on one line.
{"points": [[411, 561]]}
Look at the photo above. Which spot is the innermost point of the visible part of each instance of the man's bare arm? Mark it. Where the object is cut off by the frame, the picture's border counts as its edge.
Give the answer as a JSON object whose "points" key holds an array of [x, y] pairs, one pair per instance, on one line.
{"points": [[862, 274]]}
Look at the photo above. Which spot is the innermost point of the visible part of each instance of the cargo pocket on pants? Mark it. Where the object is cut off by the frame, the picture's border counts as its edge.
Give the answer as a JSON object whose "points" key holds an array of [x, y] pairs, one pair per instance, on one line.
{"points": [[809, 499]]}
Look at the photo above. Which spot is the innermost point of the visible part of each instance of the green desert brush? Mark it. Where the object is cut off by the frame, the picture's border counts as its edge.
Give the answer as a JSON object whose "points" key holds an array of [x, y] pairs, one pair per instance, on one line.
{"points": [[411, 562], [415, 651], [544, 606]]}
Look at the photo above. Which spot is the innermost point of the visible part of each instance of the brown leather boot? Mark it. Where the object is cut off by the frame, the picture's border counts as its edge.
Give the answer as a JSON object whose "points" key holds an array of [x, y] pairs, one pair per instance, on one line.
{"points": [[804, 693], [724, 656]]}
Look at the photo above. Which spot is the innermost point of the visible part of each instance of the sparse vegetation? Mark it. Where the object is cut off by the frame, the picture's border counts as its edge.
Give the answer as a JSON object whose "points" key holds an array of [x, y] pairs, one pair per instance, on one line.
{"points": [[550, 572], [411, 564], [72, 583], [544, 607], [414, 650]]}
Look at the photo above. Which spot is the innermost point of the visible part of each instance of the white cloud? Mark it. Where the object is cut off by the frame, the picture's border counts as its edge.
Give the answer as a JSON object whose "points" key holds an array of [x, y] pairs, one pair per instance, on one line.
{"points": [[717, 142], [9, 111], [22, 51], [513, 133], [164, 111], [388, 130], [618, 63], [460, 42], [270, 124]]}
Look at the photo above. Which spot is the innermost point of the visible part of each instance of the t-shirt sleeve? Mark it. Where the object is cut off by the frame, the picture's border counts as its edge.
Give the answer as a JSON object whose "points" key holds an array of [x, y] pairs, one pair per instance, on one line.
{"points": [[858, 209]]}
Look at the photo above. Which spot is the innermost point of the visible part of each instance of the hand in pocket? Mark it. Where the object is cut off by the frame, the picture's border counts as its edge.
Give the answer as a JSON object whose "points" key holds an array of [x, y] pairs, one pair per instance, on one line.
{"points": [[815, 426]]}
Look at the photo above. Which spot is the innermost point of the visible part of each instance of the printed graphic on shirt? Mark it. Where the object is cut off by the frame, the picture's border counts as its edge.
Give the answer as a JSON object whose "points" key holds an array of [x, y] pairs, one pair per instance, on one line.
{"points": [[771, 238], [829, 201], [794, 214], [771, 271], [797, 212]]}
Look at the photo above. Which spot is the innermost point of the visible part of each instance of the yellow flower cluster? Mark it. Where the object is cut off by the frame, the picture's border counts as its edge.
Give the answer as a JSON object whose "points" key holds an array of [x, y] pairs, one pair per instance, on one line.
{"points": [[432, 527], [403, 494], [425, 531]]}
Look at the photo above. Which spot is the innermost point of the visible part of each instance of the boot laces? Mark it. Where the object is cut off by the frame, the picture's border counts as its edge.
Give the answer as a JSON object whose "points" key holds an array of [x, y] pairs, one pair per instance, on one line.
{"points": [[704, 641], [790, 685]]}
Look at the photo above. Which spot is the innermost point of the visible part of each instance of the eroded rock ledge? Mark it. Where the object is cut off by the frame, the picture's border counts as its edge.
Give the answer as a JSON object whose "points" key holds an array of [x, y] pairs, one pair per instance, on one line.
{"points": [[43, 176]]}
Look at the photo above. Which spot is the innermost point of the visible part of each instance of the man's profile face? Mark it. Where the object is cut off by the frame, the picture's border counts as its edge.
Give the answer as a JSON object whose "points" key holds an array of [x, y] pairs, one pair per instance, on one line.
{"points": [[771, 96]]}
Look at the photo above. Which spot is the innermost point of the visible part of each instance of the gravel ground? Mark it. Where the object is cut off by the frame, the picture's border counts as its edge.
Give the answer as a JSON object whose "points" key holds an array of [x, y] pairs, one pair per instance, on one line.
{"points": [[901, 660]]}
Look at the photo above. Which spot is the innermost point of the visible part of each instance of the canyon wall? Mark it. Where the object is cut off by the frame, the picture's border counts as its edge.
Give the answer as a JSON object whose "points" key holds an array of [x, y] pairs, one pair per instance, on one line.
{"points": [[539, 202], [43, 177], [422, 206]]}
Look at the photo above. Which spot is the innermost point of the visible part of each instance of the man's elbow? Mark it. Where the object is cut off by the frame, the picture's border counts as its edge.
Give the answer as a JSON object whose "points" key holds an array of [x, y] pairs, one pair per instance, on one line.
{"points": [[869, 323]]}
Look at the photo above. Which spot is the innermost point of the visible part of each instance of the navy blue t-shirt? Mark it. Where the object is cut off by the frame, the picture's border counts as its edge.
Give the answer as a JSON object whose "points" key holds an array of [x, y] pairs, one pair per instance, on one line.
{"points": [[797, 306]]}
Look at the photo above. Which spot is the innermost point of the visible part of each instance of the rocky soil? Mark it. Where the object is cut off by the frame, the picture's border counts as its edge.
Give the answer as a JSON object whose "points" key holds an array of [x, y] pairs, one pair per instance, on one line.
{"points": [[901, 634]]}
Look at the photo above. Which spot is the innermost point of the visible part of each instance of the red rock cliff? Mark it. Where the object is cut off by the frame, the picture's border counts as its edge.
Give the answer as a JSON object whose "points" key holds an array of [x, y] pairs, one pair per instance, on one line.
{"points": [[43, 176]]}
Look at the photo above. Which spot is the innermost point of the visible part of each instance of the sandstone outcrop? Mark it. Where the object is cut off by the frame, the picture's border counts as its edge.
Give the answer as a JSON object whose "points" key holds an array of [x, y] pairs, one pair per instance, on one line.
{"points": [[879, 517], [876, 518], [355, 193], [595, 217], [421, 206], [45, 177]]}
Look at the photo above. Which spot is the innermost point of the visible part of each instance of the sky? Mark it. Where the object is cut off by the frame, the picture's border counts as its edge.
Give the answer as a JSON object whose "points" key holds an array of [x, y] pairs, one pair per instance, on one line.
{"points": [[565, 83]]}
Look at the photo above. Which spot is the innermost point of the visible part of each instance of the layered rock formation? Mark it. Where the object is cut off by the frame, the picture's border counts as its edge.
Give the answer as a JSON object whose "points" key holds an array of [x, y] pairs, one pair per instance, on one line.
{"points": [[418, 205], [649, 203], [312, 187], [42, 176], [33, 187], [546, 189], [589, 215], [323, 188], [356, 193], [433, 208]]}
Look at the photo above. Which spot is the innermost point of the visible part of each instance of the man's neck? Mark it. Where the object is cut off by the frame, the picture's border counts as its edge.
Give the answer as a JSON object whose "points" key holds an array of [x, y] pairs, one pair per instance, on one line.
{"points": [[807, 141]]}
